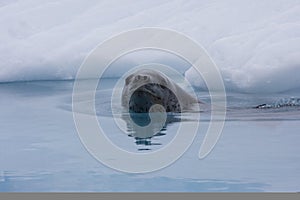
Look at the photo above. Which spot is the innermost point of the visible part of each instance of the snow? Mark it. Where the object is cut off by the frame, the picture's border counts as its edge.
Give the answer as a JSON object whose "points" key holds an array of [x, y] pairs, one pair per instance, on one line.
{"points": [[254, 43]]}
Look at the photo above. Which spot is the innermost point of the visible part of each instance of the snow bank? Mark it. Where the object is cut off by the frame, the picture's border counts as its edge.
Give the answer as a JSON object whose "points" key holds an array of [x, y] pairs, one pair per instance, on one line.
{"points": [[254, 43]]}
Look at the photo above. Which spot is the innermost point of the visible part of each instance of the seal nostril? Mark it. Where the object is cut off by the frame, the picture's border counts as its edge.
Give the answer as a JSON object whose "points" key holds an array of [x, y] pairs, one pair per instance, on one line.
{"points": [[145, 77]]}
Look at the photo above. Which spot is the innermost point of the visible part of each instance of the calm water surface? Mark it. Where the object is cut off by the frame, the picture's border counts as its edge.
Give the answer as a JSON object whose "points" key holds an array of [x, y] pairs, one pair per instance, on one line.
{"points": [[41, 151]]}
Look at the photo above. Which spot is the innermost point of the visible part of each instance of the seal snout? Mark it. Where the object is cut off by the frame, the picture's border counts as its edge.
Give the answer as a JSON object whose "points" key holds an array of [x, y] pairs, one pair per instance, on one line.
{"points": [[140, 80], [136, 81]]}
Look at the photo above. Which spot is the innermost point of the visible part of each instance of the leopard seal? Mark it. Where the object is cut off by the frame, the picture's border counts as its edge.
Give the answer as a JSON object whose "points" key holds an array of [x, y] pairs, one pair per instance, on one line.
{"points": [[147, 87]]}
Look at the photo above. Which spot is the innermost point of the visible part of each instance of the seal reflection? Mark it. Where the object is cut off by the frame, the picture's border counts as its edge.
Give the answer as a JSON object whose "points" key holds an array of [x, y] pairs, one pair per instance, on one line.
{"points": [[144, 129]]}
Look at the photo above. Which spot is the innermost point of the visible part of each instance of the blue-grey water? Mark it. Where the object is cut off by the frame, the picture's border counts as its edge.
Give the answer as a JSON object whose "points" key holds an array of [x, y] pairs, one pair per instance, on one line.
{"points": [[40, 149]]}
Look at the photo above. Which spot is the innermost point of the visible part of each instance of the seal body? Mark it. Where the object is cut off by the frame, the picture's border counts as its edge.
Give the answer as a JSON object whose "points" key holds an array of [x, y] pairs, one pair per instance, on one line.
{"points": [[145, 88]]}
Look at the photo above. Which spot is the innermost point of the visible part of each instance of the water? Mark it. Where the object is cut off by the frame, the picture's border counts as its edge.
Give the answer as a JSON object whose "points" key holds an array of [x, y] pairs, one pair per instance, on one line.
{"points": [[41, 151]]}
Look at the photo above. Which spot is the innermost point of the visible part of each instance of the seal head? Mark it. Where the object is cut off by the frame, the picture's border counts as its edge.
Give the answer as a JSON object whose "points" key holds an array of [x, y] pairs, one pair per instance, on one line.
{"points": [[146, 88]]}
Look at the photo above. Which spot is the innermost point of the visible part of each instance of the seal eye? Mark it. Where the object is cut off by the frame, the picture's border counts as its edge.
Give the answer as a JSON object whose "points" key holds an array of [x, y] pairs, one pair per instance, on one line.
{"points": [[138, 77], [128, 79]]}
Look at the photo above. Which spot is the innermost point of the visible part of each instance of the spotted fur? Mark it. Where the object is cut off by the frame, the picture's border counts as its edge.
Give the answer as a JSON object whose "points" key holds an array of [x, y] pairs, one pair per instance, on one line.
{"points": [[142, 100]]}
